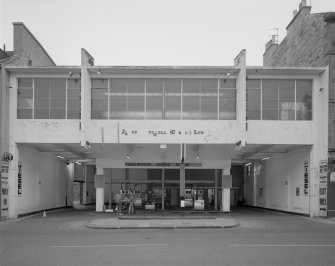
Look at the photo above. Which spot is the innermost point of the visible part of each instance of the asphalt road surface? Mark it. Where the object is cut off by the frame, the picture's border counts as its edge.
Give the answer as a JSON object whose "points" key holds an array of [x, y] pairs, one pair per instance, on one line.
{"points": [[263, 238]]}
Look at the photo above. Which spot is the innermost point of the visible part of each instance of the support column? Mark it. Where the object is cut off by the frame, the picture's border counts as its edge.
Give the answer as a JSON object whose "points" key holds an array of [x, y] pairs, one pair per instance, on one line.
{"points": [[226, 185], [110, 192], [163, 188], [216, 190], [182, 180], [99, 181], [12, 183]]}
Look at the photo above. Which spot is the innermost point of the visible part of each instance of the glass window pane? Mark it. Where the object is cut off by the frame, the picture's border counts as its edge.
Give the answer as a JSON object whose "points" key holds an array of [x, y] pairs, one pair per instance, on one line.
{"points": [[41, 113], [57, 114], [25, 83], [253, 114], [304, 115], [73, 104], [25, 93], [98, 114], [286, 89], [99, 93], [58, 88], [154, 100], [253, 99], [253, 83], [57, 104], [270, 89], [270, 105], [25, 114], [209, 84], [40, 83], [42, 103], [73, 114], [118, 85], [73, 93], [270, 115], [73, 83], [227, 83], [191, 84], [209, 104], [227, 94], [172, 99], [287, 105], [99, 104], [286, 115], [24, 104], [136, 85], [99, 83]]}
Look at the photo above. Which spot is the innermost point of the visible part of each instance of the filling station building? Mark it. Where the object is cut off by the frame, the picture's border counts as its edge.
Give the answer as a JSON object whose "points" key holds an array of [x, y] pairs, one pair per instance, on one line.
{"points": [[206, 137]]}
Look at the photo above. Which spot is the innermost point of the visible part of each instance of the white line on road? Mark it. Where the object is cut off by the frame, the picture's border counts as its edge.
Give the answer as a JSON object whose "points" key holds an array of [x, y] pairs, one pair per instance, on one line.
{"points": [[101, 246], [288, 245]]}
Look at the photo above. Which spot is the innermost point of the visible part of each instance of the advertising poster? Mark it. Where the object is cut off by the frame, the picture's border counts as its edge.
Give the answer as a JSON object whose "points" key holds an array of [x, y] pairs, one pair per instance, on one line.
{"points": [[306, 177], [323, 188], [19, 179]]}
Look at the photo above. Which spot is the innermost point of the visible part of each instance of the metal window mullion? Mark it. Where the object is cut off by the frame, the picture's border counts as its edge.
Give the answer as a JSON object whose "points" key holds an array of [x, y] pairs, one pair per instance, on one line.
{"points": [[278, 107], [33, 111], [49, 99], [181, 95], [145, 99], [66, 90], [200, 101], [261, 95], [218, 100], [108, 104], [163, 98], [295, 99]]}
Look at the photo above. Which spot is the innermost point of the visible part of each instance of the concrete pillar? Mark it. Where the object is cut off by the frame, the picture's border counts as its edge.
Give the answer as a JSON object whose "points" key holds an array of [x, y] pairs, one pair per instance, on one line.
{"points": [[99, 181], [226, 185], [110, 192], [163, 188], [12, 183], [216, 190], [182, 180]]}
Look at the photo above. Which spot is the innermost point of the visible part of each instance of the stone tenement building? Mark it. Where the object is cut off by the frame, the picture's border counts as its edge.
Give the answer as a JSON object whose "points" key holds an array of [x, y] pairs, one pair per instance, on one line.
{"points": [[310, 42]]}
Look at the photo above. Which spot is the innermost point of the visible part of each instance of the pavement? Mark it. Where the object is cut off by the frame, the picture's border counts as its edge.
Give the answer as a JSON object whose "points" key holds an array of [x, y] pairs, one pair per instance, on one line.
{"points": [[85, 217], [162, 222]]}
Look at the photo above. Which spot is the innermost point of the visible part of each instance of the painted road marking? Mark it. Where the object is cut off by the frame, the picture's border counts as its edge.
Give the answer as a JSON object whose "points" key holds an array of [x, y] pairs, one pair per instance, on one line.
{"points": [[101, 246], [288, 245]]}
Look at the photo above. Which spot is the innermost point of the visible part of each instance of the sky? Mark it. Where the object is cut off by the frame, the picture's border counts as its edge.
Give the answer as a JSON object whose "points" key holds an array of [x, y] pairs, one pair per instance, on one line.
{"points": [[152, 32]]}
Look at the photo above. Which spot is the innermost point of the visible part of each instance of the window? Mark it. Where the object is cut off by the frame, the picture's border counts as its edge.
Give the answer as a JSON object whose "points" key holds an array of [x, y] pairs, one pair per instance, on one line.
{"points": [[25, 98], [270, 99], [73, 99], [99, 99], [48, 98], [118, 99], [279, 99], [227, 99], [154, 99], [304, 99], [209, 99], [159, 98], [172, 98], [191, 99], [254, 99]]}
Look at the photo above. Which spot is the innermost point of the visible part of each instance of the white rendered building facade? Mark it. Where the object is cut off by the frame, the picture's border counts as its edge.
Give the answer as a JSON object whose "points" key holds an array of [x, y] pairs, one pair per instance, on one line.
{"points": [[166, 130]]}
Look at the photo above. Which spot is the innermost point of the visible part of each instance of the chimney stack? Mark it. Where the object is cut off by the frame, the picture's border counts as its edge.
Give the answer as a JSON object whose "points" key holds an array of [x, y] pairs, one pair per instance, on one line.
{"points": [[302, 4], [295, 12]]}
